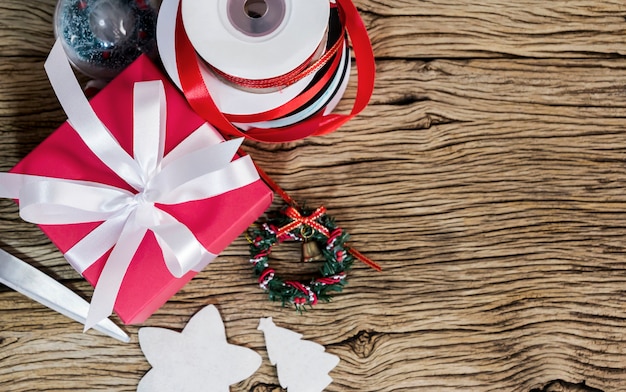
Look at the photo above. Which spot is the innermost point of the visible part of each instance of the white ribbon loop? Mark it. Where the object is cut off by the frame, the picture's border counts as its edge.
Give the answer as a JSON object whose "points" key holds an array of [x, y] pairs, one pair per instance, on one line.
{"points": [[56, 201], [186, 169], [146, 120], [191, 173]]}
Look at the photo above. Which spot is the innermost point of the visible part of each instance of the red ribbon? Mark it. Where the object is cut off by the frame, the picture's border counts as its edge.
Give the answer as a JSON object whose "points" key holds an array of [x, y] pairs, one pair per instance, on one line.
{"points": [[291, 77], [285, 196], [295, 103], [304, 290], [265, 274], [300, 220], [198, 96], [331, 279], [365, 260]]}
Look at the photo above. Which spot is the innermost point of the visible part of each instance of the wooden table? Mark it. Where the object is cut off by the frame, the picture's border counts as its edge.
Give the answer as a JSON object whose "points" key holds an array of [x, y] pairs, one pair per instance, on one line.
{"points": [[487, 176]]}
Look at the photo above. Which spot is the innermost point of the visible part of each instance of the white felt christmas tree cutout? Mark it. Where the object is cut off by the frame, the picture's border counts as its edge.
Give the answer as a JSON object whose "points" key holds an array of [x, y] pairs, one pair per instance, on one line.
{"points": [[302, 365], [198, 359]]}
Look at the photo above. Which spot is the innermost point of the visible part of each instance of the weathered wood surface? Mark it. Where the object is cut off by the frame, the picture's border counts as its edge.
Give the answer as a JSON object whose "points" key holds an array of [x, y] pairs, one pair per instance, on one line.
{"points": [[487, 176]]}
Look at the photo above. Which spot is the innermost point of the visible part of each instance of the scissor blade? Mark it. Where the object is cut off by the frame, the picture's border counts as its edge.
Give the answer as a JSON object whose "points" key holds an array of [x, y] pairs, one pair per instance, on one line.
{"points": [[28, 280]]}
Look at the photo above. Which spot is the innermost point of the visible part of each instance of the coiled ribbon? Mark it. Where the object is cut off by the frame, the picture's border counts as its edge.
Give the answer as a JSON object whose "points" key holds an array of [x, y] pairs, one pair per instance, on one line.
{"points": [[191, 171], [308, 67], [200, 99]]}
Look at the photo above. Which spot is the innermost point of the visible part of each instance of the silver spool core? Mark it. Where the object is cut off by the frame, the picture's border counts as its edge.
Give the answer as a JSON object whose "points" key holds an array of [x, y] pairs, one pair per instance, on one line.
{"points": [[256, 18], [255, 8]]}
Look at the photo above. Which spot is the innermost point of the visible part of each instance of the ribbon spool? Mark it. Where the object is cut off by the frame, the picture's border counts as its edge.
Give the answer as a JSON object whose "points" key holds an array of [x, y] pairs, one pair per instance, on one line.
{"points": [[255, 39], [239, 103], [322, 94]]}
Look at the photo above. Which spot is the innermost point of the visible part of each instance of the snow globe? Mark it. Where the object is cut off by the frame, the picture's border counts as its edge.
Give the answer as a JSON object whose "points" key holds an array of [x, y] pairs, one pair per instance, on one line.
{"points": [[102, 37]]}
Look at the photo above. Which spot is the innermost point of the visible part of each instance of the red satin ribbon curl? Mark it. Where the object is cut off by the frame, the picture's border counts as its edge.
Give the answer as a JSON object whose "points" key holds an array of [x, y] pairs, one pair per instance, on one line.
{"points": [[200, 99]]}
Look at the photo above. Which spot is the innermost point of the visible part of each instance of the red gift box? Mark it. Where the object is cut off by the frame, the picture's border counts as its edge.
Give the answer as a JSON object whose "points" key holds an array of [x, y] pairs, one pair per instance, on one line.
{"points": [[214, 221]]}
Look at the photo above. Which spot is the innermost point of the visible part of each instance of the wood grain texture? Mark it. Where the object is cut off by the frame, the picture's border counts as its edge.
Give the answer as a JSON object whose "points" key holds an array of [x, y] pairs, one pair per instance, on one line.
{"points": [[487, 176], [493, 28]]}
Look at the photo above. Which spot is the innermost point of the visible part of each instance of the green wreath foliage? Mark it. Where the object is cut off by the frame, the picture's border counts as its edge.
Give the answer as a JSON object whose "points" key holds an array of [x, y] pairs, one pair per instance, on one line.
{"points": [[332, 274]]}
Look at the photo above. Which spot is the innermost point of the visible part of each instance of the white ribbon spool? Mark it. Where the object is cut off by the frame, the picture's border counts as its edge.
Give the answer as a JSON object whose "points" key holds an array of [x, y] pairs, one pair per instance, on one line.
{"points": [[269, 45]]}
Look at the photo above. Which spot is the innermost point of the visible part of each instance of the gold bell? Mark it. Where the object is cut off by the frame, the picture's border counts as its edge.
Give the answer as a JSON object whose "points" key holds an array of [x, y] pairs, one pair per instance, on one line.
{"points": [[311, 252]]}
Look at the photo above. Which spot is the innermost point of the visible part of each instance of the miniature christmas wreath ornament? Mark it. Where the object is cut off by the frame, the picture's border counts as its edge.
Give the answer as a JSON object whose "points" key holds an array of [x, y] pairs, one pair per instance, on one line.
{"points": [[322, 240]]}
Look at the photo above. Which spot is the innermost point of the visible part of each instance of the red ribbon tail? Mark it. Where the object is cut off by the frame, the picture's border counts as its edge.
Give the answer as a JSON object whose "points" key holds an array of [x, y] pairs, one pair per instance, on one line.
{"points": [[275, 187], [365, 260]]}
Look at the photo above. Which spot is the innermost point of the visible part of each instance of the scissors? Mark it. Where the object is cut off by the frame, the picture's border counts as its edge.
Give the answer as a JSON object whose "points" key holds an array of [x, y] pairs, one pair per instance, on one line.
{"points": [[28, 280]]}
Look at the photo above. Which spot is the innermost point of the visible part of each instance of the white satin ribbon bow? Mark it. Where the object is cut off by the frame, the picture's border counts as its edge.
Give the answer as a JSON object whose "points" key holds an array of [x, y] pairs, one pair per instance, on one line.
{"points": [[196, 169]]}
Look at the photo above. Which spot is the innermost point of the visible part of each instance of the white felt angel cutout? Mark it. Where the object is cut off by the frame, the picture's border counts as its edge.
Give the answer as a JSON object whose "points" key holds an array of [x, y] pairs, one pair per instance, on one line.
{"points": [[302, 365], [198, 359]]}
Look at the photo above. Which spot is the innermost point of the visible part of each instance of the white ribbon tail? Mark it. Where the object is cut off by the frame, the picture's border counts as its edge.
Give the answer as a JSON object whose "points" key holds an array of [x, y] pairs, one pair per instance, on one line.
{"points": [[84, 120], [207, 258], [11, 183], [113, 273], [182, 251], [100, 240]]}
